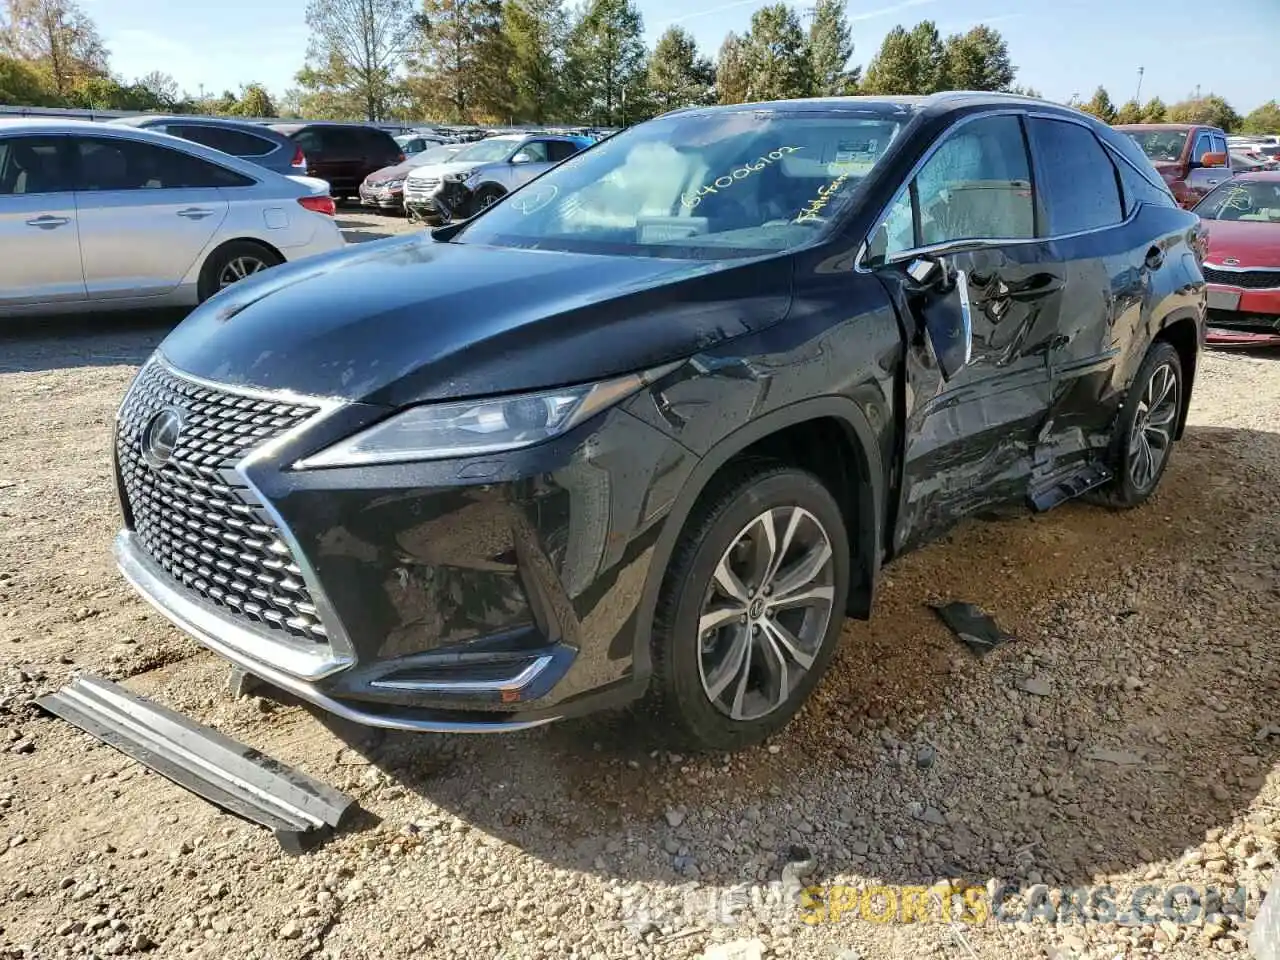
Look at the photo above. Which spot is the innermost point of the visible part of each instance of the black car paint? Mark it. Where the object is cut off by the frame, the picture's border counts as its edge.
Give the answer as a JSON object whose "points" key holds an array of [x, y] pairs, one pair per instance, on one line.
{"points": [[442, 569]]}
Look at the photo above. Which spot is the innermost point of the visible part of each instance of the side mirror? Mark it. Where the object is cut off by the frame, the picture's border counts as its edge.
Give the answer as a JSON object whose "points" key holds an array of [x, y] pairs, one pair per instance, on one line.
{"points": [[943, 307], [1213, 159], [522, 157]]}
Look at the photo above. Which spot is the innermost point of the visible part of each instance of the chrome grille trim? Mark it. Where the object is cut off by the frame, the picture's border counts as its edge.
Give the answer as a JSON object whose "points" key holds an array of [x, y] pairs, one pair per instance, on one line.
{"points": [[208, 527]]}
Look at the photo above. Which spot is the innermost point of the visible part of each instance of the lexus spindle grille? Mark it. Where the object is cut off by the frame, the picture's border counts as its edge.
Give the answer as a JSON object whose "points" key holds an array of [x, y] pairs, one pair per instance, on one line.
{"points": [[1246, 279], [193, 513]]}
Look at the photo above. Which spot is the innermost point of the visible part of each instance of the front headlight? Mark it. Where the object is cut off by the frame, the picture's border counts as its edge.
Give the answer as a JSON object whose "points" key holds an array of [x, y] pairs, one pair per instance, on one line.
{"points": [[462, 175], [392, 184], [439, 431]]}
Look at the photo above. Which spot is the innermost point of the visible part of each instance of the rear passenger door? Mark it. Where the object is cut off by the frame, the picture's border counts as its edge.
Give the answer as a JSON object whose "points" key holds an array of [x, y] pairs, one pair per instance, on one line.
{"points": [[146, 214], [970, 211], [1105, 260]]}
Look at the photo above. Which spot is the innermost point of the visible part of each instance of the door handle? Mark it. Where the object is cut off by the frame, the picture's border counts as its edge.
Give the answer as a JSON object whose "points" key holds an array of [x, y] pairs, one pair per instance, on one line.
{"points": [[48, 222], [1155, 258], [195, 213]]}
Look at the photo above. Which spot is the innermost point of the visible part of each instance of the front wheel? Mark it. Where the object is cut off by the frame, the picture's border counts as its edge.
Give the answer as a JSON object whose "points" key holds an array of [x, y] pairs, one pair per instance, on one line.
{"points": [[1148, 423], [486, 197], [751, 608]]}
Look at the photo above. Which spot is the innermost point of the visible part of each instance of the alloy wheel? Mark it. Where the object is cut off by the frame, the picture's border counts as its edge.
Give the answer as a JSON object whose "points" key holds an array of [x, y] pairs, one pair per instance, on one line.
{"points": [[239, 268], [1152, 436], [765, 613]]}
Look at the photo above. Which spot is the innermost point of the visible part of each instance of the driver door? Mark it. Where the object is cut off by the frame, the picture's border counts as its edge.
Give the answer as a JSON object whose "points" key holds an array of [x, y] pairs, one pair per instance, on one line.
{"points": [[978, 296]]}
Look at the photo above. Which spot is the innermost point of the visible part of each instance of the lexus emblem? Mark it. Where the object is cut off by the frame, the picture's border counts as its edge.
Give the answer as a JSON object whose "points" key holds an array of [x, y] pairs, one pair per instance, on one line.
{"points": [[1231, 262], [160, 438]]}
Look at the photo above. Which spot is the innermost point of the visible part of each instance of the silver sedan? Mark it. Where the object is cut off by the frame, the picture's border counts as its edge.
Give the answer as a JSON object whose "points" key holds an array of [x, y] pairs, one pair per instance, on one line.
{"points": [[101, 217]]}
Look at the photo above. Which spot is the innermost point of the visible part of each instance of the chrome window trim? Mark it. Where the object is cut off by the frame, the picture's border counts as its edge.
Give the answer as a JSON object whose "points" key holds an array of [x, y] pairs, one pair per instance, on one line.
{"points": [[966, 316], [953, 246], [293, 658]]}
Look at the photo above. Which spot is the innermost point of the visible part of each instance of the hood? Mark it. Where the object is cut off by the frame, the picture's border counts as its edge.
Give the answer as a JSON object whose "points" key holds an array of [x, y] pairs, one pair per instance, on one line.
{"points": [[1253, 244], [397, 321], [396, 171], [438, 170]]}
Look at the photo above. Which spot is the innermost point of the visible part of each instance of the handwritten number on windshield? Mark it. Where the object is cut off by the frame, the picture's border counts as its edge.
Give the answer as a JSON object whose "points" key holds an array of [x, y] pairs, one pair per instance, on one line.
{"points": [[691, 200], [815, 206]]}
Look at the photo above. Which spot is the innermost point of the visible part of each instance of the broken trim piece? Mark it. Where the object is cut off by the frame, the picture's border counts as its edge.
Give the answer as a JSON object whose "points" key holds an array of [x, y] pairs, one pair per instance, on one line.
{"points": [[299, 810]]}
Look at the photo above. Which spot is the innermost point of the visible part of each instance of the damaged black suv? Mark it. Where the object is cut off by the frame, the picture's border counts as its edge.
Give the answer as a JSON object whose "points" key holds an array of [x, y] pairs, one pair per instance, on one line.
{"points": [[651, 425]]}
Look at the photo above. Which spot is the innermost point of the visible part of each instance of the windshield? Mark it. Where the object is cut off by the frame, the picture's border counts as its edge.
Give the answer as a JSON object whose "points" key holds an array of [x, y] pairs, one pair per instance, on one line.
{"points": [[433, 155], [1256, 200], [715, 185], [1160, 144], [487, 151]]}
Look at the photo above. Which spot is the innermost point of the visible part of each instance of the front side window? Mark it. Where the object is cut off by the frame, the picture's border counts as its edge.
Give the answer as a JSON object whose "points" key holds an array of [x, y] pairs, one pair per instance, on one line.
{"points": [[535, 151], [711, 185], [1204, 144], [1252, 200], [119, 164], [1075, 178], [32, 165]]}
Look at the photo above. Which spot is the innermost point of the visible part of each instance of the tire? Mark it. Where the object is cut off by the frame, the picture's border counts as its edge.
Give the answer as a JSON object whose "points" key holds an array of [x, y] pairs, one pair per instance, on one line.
{"points": [[1140, 429], [224, 260], [486, 197], [689, 694]]}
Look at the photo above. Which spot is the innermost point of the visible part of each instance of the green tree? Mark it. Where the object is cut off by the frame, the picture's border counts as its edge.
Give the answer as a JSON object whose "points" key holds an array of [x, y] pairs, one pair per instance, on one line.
{"points": [[162, 88], [930, 57], [255, 102], [461, 73], [733, 71], [1101, 106], [326, 91], [536, 32], [606, 61], [679, 76], [830, 47], [1265, 119], [777, 54], [1129, 112], [1154, 111], [1212, 110], [977, 60], [358, 46], [56, 37], [1022, 91], [894, 68], [23, 86]]}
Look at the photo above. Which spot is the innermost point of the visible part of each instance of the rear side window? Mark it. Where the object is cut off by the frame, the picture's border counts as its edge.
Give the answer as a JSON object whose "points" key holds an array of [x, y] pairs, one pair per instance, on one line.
{"points": [[308, 140], [119, 164], [1075, 178], [31, 165], [1137, 190], [235, 142], [561, 149], [378, 143]]}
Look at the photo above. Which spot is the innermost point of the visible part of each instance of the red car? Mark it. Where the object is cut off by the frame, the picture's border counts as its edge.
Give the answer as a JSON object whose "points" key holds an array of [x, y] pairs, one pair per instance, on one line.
{"points": [[1192, 158], [1242, 265]]}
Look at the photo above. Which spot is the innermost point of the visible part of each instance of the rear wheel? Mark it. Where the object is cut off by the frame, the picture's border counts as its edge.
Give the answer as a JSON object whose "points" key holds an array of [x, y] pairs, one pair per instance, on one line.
{"points": [[751, 608], [233, 262], [1148, 422]]}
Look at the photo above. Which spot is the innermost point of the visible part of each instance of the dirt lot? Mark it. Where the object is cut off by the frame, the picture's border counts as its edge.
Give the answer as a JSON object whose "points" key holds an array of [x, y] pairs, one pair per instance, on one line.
{"points": [[1123, 739]]}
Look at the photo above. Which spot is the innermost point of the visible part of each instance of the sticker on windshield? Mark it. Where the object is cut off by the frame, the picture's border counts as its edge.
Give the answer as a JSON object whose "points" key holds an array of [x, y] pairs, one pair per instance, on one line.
{"points": [[815, 206], [853, 151], [691, 200]]}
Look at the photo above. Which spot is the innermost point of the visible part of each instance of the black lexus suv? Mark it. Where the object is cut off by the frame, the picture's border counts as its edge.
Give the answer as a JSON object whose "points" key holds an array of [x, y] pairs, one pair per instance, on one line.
{"points": [[651, 425]]}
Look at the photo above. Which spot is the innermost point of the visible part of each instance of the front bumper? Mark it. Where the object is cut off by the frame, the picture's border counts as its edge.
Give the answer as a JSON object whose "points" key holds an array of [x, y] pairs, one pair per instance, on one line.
{"points": [[381, 199], [1239, 316], [480, 594]]}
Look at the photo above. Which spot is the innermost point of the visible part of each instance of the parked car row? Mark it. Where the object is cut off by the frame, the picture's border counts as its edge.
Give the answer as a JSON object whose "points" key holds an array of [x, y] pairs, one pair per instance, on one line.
{"points": [[115, 216]]}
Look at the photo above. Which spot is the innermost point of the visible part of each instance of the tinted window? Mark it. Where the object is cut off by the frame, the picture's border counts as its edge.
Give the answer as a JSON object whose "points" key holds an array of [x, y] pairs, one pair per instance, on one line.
{"points": [[118, 164], [977, 185], [1075, 178], [561, 149], [308, 140], [1204, 144], [32, 165], [1220, 144], [234, 142], [377, 142], [1139, 189]]}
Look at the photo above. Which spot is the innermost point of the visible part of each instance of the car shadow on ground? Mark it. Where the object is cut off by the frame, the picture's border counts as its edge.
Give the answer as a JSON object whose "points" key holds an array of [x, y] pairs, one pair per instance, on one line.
{"points": [[30, 344], [1147, 738]]}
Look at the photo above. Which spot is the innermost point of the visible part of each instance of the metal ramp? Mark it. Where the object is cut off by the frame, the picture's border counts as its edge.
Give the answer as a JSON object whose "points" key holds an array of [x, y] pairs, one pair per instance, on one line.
{"points": [[300, 811]]}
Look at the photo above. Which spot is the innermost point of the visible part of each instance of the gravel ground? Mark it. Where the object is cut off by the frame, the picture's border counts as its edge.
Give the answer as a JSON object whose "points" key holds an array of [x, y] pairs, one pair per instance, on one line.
{"points": [[1123, 739]]}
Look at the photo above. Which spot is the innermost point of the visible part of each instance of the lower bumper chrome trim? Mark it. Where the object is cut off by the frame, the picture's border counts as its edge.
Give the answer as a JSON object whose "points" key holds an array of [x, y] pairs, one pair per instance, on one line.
{"points": [[229, 641], [517, 682]]}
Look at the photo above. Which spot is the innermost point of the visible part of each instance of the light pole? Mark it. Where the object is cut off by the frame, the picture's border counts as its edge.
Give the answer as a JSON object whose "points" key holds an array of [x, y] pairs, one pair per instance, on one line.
{"points": [[1137, 97]]}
